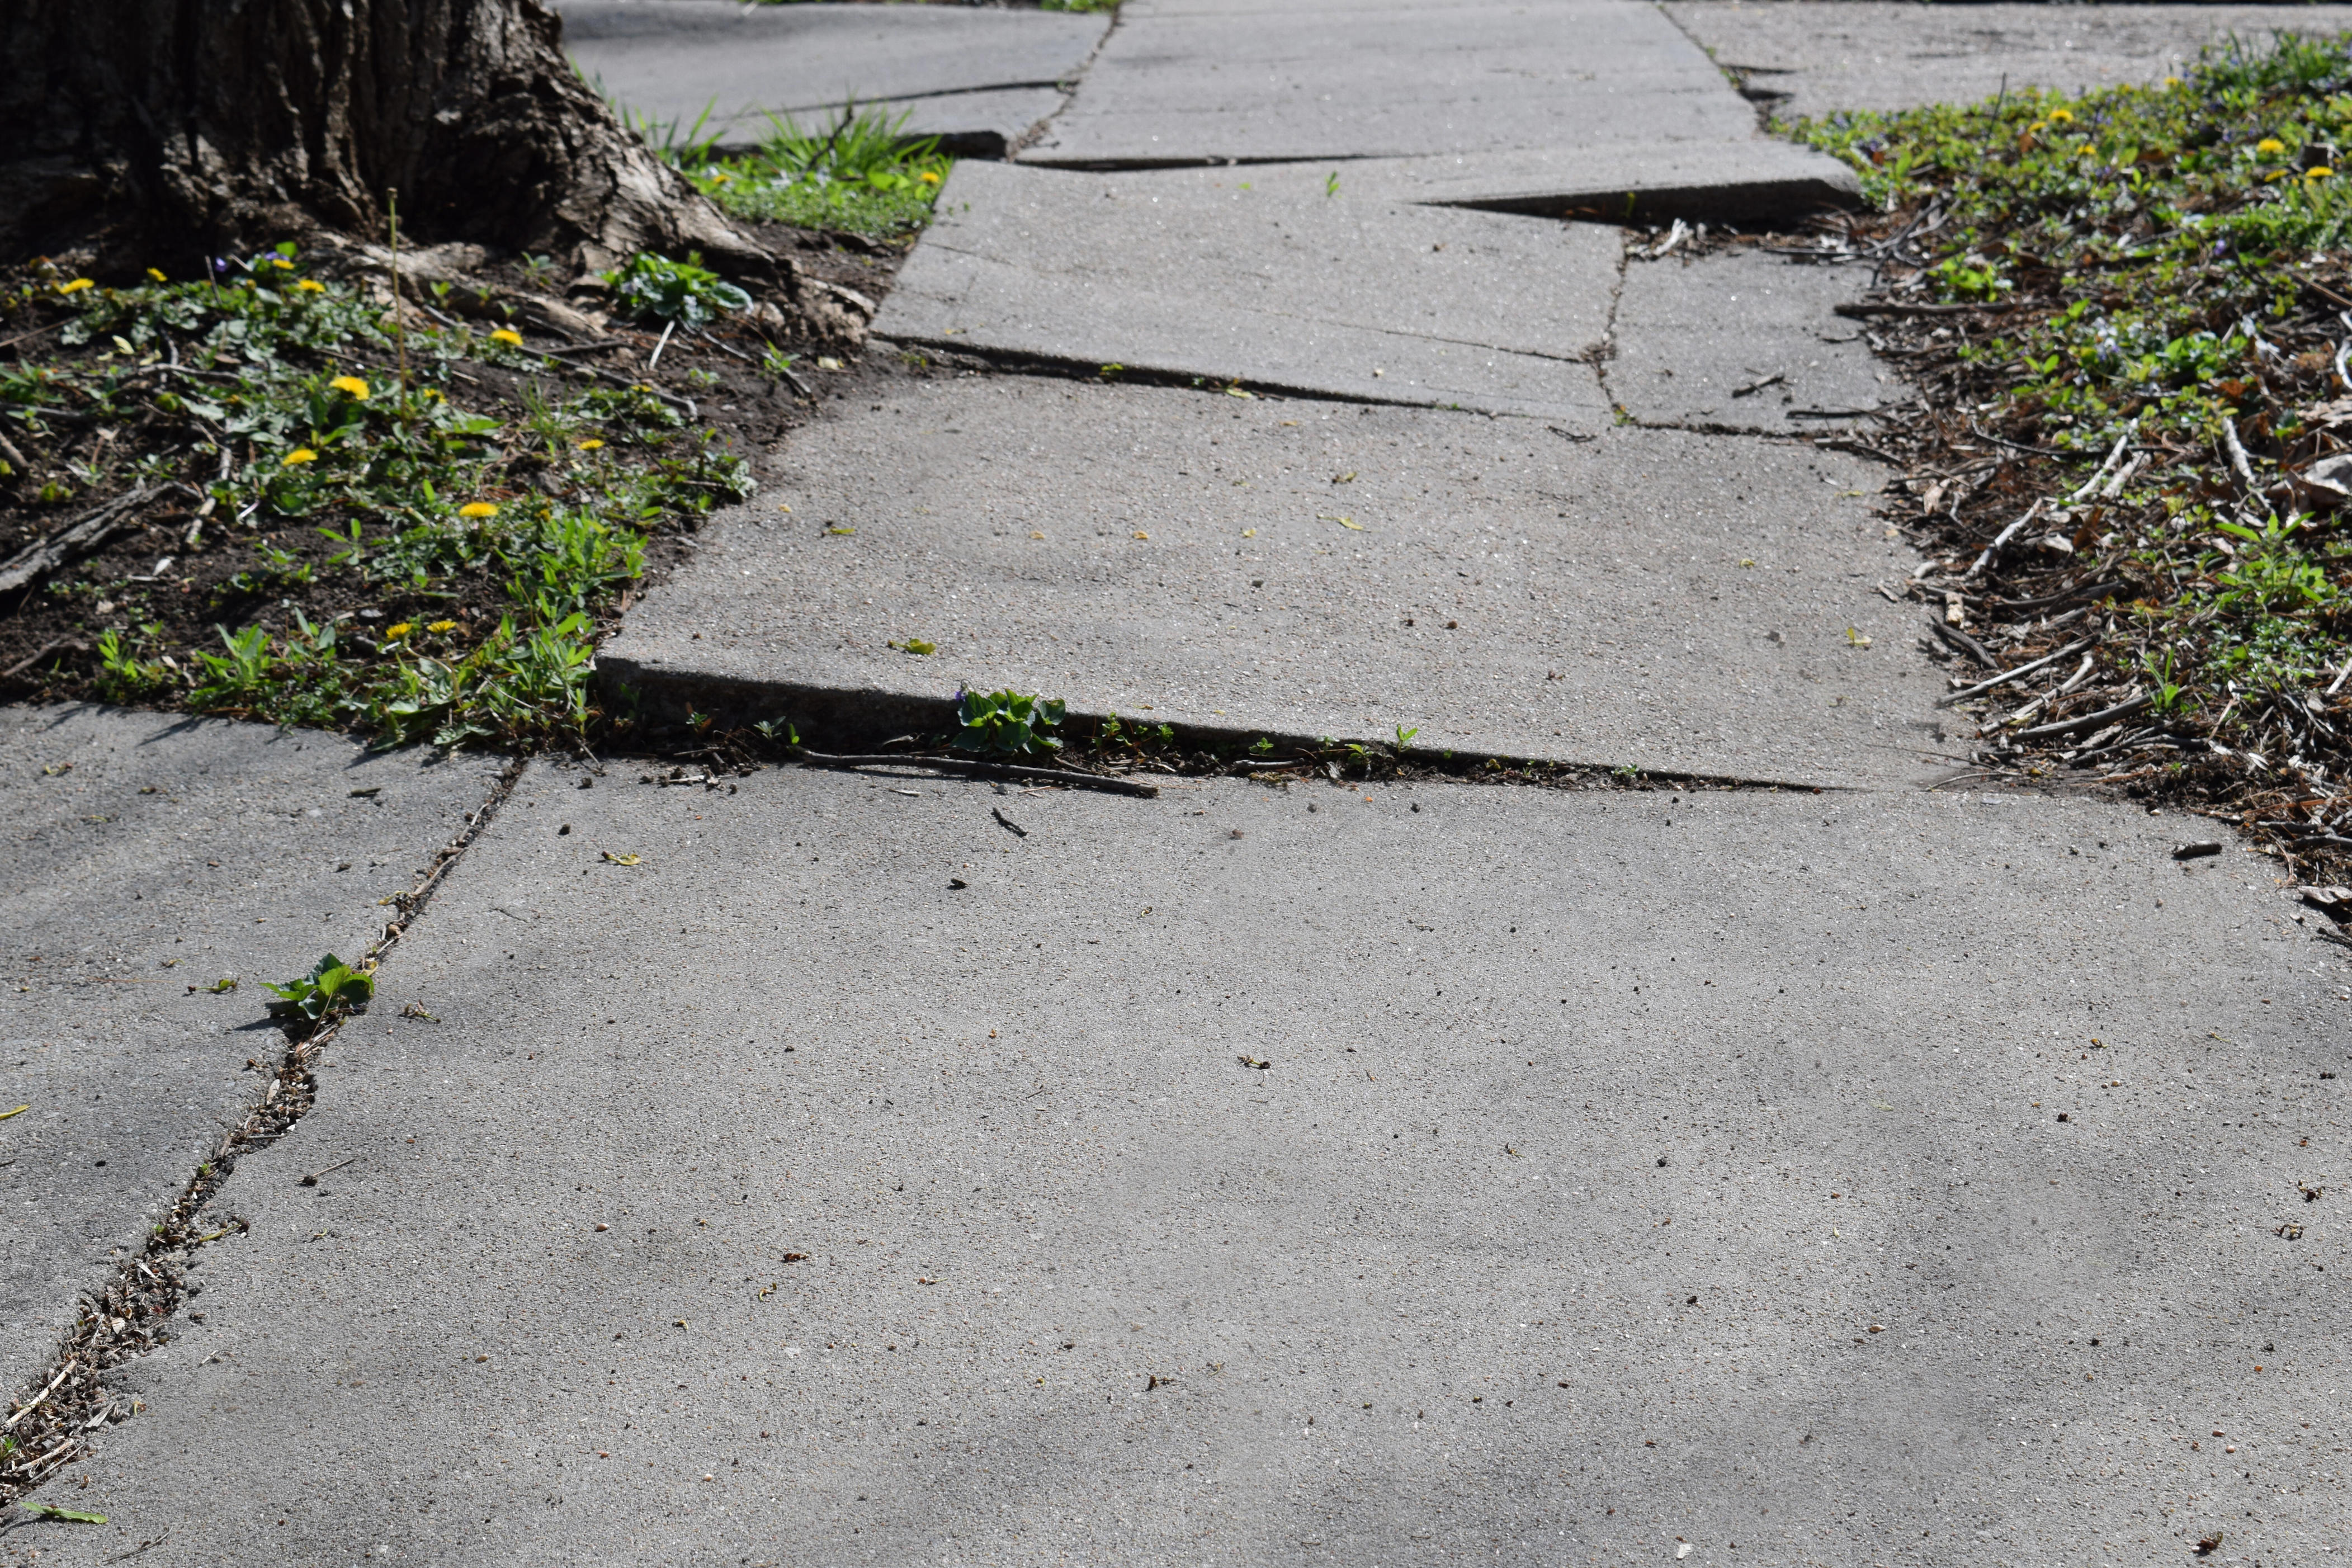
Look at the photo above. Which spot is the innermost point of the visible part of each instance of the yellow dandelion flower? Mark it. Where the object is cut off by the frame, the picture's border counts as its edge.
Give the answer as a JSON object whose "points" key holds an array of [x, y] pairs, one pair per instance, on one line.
{"points": [[280, 263], [312, 286], [352, 386], [2061, 117], [506, 336], [2270, 146], [2037, 127], [76, 287], [397, 629], [929, 177], [2319, 171], [591, 445], [157, 276], [477, 508], [442, 626], [2172, 81], [297, 456]]}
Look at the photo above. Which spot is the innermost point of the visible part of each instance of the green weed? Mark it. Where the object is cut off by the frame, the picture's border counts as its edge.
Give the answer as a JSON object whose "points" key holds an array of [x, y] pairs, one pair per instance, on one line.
{"points": [[332, 987], [656, 289], [860, 173], [1011, 723]]}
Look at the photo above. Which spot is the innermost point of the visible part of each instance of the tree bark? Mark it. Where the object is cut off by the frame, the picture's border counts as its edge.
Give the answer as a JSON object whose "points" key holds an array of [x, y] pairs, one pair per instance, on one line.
{"points": [[203, 125]]}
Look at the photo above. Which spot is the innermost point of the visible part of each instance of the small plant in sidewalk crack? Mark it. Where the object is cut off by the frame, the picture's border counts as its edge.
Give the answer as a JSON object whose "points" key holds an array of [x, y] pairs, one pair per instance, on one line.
{"points": [[1115, 734], [2129, 315], [332, 987], [1007, 723]]}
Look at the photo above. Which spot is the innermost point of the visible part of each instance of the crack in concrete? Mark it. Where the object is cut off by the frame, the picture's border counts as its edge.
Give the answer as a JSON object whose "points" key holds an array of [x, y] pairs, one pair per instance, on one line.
{"points": [[1069, 88], [68, 1404], [872, 719], [1606, 348], [1026, 361], [1581, 356]]}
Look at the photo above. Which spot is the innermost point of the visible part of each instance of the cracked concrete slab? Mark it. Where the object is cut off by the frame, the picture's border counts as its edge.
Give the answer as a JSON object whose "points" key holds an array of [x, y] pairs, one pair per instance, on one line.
{"points": [[150, 856], [1645, 598], [1815, 56], [1275, 277], [1741, 339], [1838, 1178], [1194, 81], [981, 77]]}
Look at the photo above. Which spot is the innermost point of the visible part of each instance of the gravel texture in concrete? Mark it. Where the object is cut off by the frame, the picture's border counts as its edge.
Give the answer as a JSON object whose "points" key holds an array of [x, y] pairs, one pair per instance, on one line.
{"points": [[1340, 1175], [980, 77], [1812, 57], [1747, 341], [1643, 598], [1197, 81], [149, 857], [1277, 276]]}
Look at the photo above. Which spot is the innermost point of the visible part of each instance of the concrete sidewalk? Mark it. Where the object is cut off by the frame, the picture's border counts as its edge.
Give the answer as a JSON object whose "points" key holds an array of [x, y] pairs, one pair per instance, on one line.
{"points": [[979, 78], [1203, 81], [1894, 1177], [1651, 599], [821, 1168], [1814, 56], [150, 858], [1283, 277]]}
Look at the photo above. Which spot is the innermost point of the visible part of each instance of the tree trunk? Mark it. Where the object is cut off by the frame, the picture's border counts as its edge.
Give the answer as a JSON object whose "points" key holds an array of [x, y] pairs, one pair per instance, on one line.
{"points": [[199, 125]]}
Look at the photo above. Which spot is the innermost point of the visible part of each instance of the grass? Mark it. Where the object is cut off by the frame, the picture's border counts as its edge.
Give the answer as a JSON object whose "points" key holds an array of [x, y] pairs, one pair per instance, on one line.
{"points": [[2156, 275], [859, 173], [443, 473]]}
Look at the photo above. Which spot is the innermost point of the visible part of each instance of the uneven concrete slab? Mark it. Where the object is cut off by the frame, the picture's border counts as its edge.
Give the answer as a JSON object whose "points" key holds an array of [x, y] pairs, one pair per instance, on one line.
{"points": [[981, 77], [1192, 81], [1630, 1171], [1645, 598], [1762, 180], [1814, 56], [1744, 340], [1266, 276], [149, 857]]}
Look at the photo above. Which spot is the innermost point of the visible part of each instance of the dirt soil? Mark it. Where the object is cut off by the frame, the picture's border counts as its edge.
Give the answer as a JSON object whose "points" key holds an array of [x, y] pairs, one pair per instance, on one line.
{"points": [[152, 573]]}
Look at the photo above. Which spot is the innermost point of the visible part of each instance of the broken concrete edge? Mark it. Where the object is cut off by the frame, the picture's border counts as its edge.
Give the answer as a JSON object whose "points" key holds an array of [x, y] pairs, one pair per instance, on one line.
{"points": [[1771, 203], [1751, 200], [1029, 362], [124, 1317], [1195, 161], [736, 132], [865, 717], [987, 146]]}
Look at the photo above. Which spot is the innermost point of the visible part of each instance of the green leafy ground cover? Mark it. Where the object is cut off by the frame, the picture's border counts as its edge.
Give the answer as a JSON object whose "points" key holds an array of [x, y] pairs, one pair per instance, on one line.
{"points": [[2126, 314], [412, 532]]}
